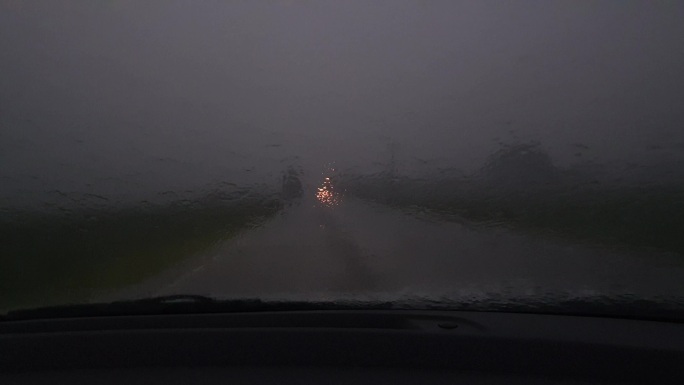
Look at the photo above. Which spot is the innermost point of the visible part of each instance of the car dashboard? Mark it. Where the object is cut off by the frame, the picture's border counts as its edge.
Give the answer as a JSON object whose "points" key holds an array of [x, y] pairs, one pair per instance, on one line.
{"points": [[375, 346]]}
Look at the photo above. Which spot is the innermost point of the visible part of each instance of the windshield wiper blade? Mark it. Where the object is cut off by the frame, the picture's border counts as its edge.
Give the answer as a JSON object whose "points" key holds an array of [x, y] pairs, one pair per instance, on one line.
{"points": [[181, 304], [137, 306]]}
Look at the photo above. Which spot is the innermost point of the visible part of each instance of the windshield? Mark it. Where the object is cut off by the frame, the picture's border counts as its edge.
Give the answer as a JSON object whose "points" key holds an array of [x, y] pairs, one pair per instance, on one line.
{"points": [[472, 154]]}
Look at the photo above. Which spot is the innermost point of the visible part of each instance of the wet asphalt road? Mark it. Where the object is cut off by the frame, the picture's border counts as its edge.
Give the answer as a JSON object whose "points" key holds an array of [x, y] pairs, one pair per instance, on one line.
{"points": [[364, 251]]}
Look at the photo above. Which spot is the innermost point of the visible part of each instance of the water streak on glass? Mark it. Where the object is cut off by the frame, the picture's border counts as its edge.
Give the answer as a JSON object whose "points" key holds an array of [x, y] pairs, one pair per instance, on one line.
{"points": [[427, 154]]}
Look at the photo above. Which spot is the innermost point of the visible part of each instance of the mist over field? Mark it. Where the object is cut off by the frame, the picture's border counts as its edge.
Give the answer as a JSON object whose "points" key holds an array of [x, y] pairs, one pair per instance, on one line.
{"points": [[128, 101]]}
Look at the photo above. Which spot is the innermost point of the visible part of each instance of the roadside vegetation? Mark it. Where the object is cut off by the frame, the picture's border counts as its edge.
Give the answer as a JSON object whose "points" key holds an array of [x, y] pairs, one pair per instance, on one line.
{"points": [[50, 258], [520, 188]]}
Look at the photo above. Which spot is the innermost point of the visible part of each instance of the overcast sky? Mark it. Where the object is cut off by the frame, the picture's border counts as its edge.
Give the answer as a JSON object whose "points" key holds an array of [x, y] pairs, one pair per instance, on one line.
{"points": [[127, 98]]}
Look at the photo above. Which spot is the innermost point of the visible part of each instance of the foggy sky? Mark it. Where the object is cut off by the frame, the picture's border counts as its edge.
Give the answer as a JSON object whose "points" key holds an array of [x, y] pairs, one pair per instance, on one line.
{"points": [[129, 98]]}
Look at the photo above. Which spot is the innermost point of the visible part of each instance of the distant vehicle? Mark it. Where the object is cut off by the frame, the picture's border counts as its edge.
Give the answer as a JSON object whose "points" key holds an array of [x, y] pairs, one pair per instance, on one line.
{"points": [[292, 185]]}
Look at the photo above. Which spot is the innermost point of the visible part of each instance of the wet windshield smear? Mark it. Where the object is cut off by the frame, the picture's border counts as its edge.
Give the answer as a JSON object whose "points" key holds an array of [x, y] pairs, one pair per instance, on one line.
{"points": [[458, 155]]}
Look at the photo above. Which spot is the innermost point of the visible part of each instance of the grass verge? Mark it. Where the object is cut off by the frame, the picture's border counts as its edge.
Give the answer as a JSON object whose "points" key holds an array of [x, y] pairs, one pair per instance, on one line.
{"points": [[646, 217], [51, 259]]}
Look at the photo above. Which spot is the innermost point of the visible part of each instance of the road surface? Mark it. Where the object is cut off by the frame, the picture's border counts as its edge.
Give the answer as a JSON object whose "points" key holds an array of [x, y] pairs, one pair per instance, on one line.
{"points": [[363, 251]]}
